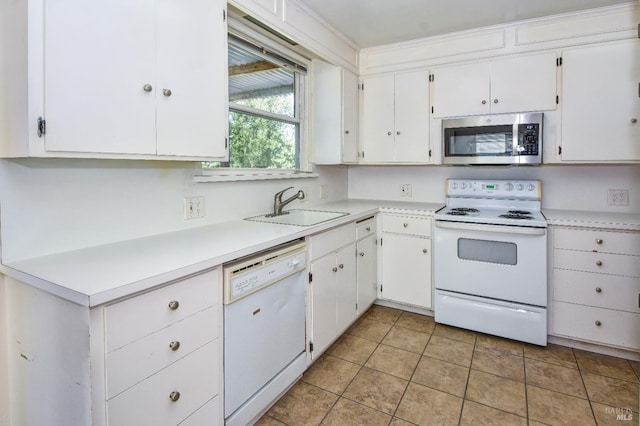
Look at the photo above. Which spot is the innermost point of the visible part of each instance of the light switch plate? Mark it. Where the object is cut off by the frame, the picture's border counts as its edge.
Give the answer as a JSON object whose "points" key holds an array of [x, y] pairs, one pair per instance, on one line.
{"points": [[193, 207]]}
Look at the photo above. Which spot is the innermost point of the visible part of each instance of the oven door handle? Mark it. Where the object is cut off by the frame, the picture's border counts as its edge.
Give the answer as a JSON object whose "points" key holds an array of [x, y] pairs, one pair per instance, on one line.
{"points": [[491, 228]]}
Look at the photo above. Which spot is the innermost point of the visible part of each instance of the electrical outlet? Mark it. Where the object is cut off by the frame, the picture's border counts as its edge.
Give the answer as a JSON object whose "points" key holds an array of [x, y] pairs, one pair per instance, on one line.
{"points": [[618, 197], [405, 190], [324, 191], [193, 207]]}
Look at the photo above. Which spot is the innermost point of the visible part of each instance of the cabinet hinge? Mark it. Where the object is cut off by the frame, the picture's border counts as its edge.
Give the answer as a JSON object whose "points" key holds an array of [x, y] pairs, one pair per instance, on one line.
{"points": [[226, 143], [362, 87], [224, 15], [638, 30], [431, 77], [310, 346], [42, 126], [559, 150], [362, 154], [380, 241], [559, 61], [380, 288], [557, 99], [431, 110], [429, 153], [310, 277]]}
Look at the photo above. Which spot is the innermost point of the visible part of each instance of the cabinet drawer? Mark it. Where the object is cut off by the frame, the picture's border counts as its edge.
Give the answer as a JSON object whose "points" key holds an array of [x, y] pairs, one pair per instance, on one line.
{"points": [[209, 414], [131, 319], [411, 225], [600, 290], [597, 240], [195, 377], [616, 327], [365, 227], [331, 240], [605, 263], [134, 362]]}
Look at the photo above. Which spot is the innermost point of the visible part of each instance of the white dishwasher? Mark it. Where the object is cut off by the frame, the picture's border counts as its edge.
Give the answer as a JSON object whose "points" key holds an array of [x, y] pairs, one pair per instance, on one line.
{"points": [[264, 329]]}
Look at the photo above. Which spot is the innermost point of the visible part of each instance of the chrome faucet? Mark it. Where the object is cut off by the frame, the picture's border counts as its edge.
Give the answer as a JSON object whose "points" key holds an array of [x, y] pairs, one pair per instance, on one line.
{"points": [[278, 204]]}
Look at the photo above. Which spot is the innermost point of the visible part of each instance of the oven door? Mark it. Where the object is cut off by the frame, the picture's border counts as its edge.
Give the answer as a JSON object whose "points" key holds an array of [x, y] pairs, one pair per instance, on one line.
{"points": [[500, 262]]}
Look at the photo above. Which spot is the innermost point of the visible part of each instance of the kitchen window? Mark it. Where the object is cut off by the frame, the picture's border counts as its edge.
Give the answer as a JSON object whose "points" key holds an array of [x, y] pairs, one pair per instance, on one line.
{"points": [[266, 110]]}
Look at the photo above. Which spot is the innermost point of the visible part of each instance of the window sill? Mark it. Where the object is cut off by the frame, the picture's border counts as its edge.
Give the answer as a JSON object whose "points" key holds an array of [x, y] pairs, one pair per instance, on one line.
{"points": [[244, 175]]}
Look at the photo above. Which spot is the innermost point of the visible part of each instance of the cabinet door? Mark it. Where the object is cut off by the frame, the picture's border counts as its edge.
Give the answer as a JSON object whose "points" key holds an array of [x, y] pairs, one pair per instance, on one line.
{"points": [[98, 57], [346, 288], [191, 64], [601, 103], [378, 119], [406, 269], [412, 117], [367, 267], [350, 98], [461, 90], [323, 303], [526, 83]]}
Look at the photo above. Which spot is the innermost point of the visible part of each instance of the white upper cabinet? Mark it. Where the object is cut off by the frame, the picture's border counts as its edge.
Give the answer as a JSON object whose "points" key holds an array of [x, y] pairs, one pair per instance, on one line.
{"points": [[601, 103], [519, 84], [125, 79], [395, 127], [335, 114]]}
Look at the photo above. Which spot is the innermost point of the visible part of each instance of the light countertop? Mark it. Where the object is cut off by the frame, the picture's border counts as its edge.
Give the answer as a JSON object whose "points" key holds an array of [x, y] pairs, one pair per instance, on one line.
{"points": [[605, 220], [98, 275]]}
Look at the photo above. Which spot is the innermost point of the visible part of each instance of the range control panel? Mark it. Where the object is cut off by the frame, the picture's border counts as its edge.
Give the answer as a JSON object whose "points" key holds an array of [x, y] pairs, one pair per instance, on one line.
{"points": [[508, 189]]}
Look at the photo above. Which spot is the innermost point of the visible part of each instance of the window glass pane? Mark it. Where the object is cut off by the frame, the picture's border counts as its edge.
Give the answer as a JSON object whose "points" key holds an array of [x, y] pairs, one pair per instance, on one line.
{"points": [[259, 142]]}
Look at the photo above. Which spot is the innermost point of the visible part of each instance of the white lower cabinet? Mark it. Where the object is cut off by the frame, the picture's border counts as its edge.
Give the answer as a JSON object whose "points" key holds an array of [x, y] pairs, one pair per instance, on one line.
{"points": [[332, 285], [155, 358], [406, 260], [596, 286], [366, 264]]}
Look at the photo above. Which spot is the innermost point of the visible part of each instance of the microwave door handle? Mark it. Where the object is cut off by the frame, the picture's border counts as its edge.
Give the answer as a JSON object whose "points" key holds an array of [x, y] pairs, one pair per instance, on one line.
{"points": [[489, 228]]}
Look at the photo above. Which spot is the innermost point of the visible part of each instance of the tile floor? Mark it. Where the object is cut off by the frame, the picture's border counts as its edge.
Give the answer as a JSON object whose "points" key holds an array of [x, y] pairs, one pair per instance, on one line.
{"points": [[399, 368]]}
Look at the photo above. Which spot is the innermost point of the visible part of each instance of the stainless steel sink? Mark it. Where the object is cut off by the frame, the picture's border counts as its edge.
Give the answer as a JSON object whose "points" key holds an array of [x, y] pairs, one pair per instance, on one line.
{"points": [[299, 217]]}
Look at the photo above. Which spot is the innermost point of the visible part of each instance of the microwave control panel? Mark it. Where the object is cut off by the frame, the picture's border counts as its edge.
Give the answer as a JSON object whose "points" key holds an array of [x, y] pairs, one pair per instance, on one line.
{"points": [[528, 139]]}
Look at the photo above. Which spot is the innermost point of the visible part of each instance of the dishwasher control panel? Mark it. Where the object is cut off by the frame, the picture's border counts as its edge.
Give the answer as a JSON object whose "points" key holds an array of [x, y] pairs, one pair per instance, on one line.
{"points": [[249, 275]]}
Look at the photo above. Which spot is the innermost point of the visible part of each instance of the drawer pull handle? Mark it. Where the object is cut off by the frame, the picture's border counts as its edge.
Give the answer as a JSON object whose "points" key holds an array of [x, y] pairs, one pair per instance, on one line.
{"points": [[361, 253], [368, 228], [598, 290], [174, 396], [424, 250], [598, 241], [334, 269], [599, 262], [405, 224], [341, 266], [598, 323], [173, 305], [175, 345]]}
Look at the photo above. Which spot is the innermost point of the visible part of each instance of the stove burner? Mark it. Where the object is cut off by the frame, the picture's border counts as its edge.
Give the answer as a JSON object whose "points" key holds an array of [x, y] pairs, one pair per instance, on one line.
{"points": [[517, 216], [520, 212], [465, 209], [457, 213]]}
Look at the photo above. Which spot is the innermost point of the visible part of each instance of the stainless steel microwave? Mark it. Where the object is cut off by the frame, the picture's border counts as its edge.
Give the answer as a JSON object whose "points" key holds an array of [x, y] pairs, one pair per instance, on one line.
{"points": [[493, 139]]}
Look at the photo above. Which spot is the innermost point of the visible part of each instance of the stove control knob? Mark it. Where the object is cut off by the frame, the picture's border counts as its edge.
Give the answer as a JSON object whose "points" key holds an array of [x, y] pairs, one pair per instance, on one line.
{"points": [[509, 187], [463, 185], [530, 187], [454, 185], [519, 187]]}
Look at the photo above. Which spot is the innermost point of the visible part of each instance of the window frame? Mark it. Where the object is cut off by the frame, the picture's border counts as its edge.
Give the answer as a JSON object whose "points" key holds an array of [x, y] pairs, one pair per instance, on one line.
{"points": [[239, 28]]}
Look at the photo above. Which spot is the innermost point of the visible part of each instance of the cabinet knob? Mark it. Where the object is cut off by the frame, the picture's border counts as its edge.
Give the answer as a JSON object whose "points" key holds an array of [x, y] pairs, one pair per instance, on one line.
{"points": [[147, 87], [484, 102], [495, 101], [598, 323], [389, 133], [598, 290], [634, 120], [166, 92], [424, 250], [346, 132], [334, 269], [405, 224], [398, 132], [173, 305], [341, 266], [598, 241], [174, 396], [599, 262], [361, 253], [368, 229], [175, 345]]}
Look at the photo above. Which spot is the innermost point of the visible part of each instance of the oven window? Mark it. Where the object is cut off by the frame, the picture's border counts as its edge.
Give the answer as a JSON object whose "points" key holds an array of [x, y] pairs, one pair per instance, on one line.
{"points": [[474, 141], [488, 251]]}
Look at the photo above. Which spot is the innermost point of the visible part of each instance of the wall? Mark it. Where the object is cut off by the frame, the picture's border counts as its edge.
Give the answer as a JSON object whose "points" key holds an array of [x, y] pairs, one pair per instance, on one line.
{"points": [[563, 187], [54, 205]]}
